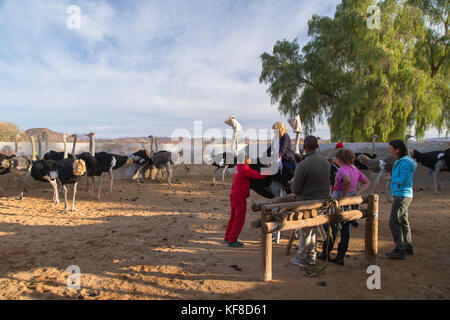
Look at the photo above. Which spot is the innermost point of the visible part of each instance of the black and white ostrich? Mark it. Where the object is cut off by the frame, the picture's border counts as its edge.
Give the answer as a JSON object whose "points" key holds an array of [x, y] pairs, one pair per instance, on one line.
{"points": [[144, 162], [226, 161], [40, 171], [436, 161], [99, 163], [373, 155], [161, 160], [19, 166], [68, 171]]}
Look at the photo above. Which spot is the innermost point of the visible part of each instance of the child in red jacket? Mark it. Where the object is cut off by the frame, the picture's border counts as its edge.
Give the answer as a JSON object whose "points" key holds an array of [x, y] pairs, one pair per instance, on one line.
{"points": [[240, 190]]}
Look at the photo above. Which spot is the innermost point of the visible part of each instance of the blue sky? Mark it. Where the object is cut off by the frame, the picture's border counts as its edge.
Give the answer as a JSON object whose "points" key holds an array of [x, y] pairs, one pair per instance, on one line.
{"points": [[136, 68]]}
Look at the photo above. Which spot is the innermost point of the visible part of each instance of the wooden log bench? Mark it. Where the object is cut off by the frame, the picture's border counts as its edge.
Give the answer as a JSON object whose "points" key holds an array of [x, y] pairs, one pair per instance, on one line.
{"points": [[279, 215]]}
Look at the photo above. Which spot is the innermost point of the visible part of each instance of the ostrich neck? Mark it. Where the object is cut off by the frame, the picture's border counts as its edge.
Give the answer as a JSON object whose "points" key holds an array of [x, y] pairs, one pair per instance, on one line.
{"points": [[92, 145], [33, 150], [74, 145], [151, 145], [156, 144], [65, 147], [39, 146], [234, 145], [297, 142]]}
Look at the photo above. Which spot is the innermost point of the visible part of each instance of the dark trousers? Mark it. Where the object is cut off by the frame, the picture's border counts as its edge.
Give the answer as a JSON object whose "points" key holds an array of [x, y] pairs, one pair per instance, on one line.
{"points": [[399, 224], [343, 243]]}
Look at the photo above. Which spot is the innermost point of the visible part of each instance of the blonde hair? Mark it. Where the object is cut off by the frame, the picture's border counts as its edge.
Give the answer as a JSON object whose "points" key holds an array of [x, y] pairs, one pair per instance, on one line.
{"points": [[280, 126]]}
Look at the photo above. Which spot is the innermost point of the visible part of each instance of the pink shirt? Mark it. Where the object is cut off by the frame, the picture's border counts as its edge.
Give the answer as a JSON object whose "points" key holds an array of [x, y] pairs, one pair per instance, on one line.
{"points": [[354, 174]]}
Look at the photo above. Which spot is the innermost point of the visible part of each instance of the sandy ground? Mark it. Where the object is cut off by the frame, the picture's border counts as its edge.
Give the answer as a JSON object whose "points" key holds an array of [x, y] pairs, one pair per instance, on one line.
{"points": [[155, 242]]}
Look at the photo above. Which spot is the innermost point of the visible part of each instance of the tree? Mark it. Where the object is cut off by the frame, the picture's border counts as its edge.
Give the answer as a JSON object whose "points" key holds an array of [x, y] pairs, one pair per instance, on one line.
{"points": [[8, 131], [361, 81]]}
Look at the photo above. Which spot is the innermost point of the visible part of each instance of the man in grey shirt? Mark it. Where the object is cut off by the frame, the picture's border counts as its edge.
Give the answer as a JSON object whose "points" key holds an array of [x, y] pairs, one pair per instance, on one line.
{"points": [[311, 182]]}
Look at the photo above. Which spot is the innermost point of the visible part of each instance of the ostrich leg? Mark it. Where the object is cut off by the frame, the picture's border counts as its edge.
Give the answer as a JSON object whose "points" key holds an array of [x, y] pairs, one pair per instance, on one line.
{"points": [[169, 173], [214, 176], [111, 179], [223, 173], [388, 191], [65, 199], [100, 186], [377, 180], [55, 192], [437, 168], [74, 193]]}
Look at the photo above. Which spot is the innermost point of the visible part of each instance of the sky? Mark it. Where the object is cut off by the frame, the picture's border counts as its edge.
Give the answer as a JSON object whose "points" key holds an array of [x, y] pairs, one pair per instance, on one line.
{"points": [[135, 68]]}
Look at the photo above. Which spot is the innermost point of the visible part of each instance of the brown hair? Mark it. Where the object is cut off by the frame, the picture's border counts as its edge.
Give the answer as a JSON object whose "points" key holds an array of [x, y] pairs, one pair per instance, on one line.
{"points": [[346, 156]]}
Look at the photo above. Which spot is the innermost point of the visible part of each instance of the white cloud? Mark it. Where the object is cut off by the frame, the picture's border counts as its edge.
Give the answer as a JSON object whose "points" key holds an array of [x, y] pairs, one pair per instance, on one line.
{"points": [[136, 68]]}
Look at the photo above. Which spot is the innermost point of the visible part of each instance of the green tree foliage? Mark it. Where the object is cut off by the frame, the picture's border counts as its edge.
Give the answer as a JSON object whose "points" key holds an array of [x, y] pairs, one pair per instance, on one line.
{"points": [[8, 131], [363, 81]]}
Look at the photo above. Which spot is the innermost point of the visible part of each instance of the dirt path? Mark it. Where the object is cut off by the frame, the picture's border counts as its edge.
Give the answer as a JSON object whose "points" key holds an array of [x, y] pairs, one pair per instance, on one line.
{"points": [[152, 242]]}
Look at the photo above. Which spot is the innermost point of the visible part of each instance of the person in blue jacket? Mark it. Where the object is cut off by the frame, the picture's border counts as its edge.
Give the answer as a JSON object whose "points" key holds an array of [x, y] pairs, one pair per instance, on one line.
{"points": [[401, 183]]}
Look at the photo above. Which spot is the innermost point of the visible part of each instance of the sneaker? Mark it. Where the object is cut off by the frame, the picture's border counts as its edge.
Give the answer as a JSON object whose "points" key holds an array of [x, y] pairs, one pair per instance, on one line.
{"points": [[235, 244], [299, 262], [397, 254], [241, 243], [410, 251]]}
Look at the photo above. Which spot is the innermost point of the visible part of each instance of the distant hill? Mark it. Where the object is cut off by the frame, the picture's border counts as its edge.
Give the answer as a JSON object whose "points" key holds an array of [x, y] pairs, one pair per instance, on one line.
{"points": [[53, 136]]}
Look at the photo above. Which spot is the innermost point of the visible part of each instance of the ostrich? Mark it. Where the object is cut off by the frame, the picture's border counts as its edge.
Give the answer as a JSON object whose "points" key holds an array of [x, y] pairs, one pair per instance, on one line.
{"points": [[226, 160], [20, 167], [40, 171], [99, 163], [161, 160], [68, 171], [143, 159], [360, 165], [436, 161], [6, 169]]}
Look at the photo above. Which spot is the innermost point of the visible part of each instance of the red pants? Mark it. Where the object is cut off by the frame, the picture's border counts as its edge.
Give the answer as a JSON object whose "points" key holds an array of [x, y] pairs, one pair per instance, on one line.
{"points": [[237, 218]]}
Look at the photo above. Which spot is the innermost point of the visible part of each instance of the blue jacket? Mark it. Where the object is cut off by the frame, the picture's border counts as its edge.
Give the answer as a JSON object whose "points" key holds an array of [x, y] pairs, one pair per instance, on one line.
{"points": [[402, 177]]}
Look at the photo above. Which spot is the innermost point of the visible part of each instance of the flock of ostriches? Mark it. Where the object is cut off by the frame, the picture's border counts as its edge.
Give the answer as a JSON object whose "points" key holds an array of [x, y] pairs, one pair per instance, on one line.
{"points": [[68, 169]]}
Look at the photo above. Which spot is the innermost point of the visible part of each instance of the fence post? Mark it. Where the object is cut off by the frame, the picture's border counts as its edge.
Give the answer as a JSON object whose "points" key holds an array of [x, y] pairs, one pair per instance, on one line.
{"points": [[266, 251], [371, 231]]}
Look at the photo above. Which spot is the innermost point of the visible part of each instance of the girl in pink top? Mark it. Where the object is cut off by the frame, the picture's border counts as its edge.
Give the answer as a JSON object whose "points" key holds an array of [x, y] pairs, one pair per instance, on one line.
{"points": [[346, 183]]}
